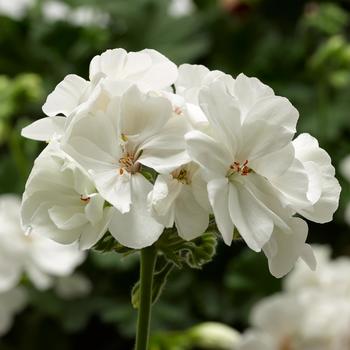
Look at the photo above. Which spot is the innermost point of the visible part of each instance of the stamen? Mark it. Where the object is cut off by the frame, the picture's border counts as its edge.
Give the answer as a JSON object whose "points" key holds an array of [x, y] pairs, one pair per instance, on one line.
{"points": [[128, 163], [181, 175], [85, 199], [178, 110], [238, 168]]}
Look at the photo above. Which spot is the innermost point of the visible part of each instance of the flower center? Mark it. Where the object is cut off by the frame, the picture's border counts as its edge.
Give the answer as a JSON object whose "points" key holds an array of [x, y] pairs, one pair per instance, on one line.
{"points": [[181, 175], [240, 169], [128, 163]]}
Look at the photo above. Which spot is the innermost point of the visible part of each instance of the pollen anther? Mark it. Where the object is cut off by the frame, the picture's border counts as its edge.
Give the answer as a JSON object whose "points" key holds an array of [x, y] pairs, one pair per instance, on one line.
{"points": [[238, 168]]}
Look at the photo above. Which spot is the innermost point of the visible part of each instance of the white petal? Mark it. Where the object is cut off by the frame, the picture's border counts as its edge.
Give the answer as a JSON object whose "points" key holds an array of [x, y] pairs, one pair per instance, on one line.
{"points": [[161, 199], [307, 150], [162, 73], [252, 219], [164, 161], [293, 185], [67, 218], [135, 229], [94, 208], [56, 259], [289, 247], [307, 254], [218, 197], [93, 233], [109, 63], [322, 211], [222, 112], [115, 188], [314, 191], [199, 189], [274, 164], [208, 153], [191, 219], [167, 150], [143, 115], [274, 110], [259, 139], [101, 142], [249, 91], [66, 96], [44, 129]]}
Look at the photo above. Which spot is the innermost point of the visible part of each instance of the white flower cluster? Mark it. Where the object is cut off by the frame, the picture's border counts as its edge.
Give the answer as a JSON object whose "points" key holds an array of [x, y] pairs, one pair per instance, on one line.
{"points": [[144, 144], [37, 257], [312, 313]]}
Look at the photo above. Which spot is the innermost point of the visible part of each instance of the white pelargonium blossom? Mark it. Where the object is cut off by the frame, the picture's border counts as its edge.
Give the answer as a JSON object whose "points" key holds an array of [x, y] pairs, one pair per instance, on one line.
{"points": [[61, 202], [161, 146], [308, 320], [38, 257], [257, 177], [181, 198], [136, 130], [312, 312], [149, 69], [11, 302]]}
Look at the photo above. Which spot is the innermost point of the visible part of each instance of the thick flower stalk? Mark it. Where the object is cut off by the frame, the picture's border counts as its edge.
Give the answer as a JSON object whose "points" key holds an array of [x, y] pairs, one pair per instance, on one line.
{"points": [[156, 155]]}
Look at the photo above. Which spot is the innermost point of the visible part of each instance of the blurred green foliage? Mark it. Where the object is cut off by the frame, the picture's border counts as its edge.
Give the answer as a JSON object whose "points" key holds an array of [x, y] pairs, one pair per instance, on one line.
{"points": [[300, 48]]}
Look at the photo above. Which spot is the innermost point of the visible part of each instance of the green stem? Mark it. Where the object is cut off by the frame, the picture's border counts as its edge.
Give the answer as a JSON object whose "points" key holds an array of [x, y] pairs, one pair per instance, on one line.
{"points": [[148, 263]]}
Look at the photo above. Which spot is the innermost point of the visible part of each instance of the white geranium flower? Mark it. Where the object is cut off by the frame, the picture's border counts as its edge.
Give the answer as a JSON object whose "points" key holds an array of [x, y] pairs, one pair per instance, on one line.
{"points": [[308, 320], [240, 159], [136, 130], [149, 69], [181, 197], [38, 257], [61, 202], [11, 302]]}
